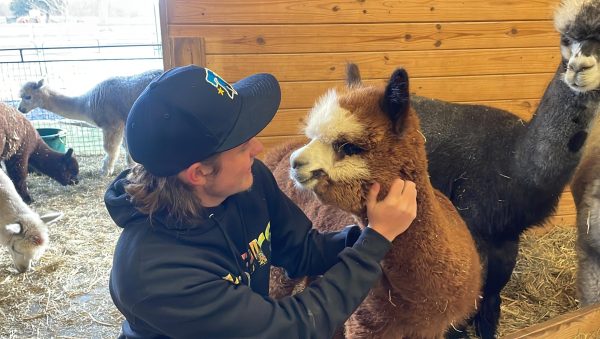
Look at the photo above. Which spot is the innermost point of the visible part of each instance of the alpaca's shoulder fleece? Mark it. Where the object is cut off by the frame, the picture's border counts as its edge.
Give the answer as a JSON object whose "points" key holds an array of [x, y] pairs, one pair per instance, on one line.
{"points": [[112, 98], [11, 203], [16, 131], [589, 166]]}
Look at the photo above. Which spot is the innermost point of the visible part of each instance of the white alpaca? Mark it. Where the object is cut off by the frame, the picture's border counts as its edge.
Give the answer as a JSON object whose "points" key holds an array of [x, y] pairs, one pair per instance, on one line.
{"points": [[22, 230], [106, 105]]}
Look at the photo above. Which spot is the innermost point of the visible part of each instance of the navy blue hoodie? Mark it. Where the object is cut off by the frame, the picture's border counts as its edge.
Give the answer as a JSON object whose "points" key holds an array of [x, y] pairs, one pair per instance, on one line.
{"points": [[211, 280]]}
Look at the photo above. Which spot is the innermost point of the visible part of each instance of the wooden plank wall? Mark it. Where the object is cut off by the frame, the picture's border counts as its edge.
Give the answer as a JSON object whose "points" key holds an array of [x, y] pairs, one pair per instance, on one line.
{"points": [[498, 53], [582, 323]]}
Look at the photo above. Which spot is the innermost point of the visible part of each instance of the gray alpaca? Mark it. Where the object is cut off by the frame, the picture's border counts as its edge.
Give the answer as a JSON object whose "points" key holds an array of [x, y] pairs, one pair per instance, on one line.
{"points": [[106, 105], [505, 175], [586, 192]]}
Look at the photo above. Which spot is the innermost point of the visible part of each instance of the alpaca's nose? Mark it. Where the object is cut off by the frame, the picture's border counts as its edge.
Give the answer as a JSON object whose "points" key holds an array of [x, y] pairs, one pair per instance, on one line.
{"points": [[577, 65], [295, 161], [22, 268]]}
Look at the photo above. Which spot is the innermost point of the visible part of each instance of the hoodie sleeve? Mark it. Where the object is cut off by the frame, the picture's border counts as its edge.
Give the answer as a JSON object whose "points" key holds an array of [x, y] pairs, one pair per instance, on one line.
{"points": [[296, 246], [216, 308]]}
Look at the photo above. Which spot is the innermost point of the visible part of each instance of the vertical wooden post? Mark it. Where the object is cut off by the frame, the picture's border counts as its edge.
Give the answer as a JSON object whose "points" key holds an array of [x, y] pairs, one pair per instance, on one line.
{"points": [[188, 50], [164, 34]]}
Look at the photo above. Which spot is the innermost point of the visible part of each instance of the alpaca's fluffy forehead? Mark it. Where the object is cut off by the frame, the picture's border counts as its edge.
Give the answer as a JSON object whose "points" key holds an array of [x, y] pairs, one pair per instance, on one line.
{"points": [[31, 88], [578, 19], [328, 120], [28, 87]]}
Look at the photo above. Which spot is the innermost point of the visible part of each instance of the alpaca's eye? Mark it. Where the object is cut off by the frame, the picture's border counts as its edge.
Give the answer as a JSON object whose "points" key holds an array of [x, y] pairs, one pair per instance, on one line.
{"points": [[348, 149], [27, 97], [567, 40]]}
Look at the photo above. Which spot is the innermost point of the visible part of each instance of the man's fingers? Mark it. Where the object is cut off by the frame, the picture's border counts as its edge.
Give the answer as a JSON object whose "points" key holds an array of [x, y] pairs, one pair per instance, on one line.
{"points": [[410, 188], [372, 196], [397, 187]]}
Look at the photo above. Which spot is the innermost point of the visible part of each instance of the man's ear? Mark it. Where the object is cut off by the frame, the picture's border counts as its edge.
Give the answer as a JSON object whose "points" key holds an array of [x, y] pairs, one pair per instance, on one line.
{"points": [[196, 174]]}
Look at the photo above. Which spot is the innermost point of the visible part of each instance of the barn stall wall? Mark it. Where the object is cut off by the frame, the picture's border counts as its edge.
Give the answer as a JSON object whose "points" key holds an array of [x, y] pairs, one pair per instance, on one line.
{"points": [[497, 53]]}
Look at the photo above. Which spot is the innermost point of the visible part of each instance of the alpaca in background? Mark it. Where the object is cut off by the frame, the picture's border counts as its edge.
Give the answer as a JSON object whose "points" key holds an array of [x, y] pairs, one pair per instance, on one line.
{"points": [[505, 175], [22, 231], [106, 105], [586, 193], [23, 146], [432, 274]]}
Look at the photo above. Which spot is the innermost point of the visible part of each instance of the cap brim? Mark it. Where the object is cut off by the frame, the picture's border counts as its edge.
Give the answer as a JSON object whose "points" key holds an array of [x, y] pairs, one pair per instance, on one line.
{"points": [[261, 95]]}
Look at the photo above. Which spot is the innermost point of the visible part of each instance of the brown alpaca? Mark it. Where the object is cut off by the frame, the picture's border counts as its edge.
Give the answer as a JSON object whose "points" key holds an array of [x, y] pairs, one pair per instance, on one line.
{"points": [[23, 146], [432, 275], [586, 193]]}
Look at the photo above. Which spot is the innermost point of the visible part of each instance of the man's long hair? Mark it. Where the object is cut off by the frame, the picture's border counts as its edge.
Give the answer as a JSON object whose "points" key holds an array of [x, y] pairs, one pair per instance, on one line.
{"points": [[151, 194]]}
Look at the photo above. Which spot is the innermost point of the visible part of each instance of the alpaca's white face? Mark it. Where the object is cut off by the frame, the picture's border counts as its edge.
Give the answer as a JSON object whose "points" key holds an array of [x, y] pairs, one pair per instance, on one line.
{"points": [[31, 96], [583, 70], [25, 245], [332, 159], [577, 22], [27, 239]]}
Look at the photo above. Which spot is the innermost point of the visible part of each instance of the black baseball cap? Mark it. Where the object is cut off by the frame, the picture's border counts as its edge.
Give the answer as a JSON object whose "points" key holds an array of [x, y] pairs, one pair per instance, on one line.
{"points": [[190, 113]]}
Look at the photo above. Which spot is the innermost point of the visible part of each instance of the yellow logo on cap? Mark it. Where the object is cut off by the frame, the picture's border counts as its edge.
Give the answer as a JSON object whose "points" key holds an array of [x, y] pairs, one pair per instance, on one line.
{"points": [[221, 85]]}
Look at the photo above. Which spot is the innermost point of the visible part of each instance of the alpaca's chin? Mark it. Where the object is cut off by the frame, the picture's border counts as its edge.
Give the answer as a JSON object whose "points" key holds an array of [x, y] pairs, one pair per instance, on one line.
{"points": [[343, 200], [301, 181], [582, 83]]}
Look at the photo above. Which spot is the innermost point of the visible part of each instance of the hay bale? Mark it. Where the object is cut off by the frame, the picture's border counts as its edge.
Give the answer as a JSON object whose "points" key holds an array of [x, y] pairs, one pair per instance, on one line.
{"points": [[543, 283]]}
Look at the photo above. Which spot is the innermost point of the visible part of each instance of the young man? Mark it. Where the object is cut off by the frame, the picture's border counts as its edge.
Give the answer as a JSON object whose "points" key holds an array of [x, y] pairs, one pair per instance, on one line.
{"points": [[203, 221]]}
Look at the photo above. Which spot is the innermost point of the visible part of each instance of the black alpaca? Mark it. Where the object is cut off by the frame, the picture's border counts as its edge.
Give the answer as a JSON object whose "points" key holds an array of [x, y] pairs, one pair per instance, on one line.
{"points": [[505, 175]]}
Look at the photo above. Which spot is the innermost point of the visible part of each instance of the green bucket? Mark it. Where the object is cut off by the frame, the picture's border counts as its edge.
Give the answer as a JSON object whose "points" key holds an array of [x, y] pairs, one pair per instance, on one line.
{"points": [[56, 138]]}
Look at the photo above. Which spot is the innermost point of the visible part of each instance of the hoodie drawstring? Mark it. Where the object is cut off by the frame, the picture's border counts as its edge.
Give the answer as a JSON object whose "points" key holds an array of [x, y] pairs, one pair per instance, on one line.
{"points": [[232, 249]]}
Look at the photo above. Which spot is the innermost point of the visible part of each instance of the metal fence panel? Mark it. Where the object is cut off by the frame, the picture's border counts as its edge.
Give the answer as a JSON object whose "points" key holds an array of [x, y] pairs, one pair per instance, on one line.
{"points": [[72, 71]]}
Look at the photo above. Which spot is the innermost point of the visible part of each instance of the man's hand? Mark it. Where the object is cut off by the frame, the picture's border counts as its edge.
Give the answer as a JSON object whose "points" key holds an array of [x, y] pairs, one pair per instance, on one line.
{"points": [[393, 215]]}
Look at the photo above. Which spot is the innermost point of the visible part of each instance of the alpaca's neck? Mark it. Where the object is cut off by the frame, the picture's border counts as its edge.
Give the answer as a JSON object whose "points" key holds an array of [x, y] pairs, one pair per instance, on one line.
{"points": [[420, 246], [427, 203], [549, 150], [11, 203], [68, 107], [47, 161], [416, 172]]}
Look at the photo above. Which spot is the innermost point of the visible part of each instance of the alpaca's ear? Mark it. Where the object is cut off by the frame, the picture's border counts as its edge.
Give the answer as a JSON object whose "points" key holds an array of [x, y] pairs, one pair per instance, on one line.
{"points": [[13, 228], [396, 101], [39, 84], [352, 75], [69, 153]]}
